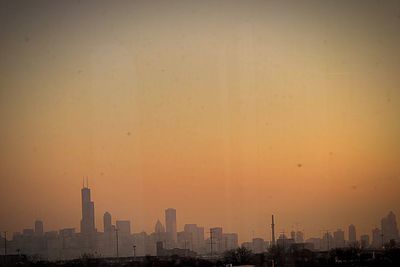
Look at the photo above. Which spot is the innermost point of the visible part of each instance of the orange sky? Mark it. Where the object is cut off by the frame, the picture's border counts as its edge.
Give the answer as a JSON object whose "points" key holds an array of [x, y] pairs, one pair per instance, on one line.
{"points": [[226, 111]]}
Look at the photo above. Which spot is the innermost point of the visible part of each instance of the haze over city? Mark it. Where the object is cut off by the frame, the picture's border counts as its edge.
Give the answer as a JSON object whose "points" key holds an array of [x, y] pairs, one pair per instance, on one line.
{"points": [[226, 111]]}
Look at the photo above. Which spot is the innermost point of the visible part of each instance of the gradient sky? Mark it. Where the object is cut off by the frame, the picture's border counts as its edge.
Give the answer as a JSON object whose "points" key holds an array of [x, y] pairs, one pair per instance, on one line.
{"points": [[227, 111]]}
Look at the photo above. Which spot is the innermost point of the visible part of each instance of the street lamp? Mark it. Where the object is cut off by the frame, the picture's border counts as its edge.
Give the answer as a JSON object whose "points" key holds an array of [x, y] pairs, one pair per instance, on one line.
{"points": [[134, 252]]}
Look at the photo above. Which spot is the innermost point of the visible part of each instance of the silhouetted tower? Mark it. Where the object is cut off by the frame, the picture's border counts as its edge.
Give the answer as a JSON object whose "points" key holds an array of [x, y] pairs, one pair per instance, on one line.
{"points": [[170, 225], [87, 222], [273, 231], [389, 228], [107, 222], [38, 227], [352, 234]]}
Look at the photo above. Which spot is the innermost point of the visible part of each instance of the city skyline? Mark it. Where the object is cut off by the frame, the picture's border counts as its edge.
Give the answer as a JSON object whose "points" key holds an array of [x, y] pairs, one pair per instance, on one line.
{"points": [[226, 111], [88, 227]]}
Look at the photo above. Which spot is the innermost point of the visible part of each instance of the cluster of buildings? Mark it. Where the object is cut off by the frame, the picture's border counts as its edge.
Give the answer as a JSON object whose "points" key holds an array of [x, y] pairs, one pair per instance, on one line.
{"points": [[117, 240], [379, 236]]}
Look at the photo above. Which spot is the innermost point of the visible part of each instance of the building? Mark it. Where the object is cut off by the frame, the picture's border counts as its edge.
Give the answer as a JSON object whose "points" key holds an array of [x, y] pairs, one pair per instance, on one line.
{"points": [[125, 240], [159, 228], [107, 222], [171, 228], [327, 241], [159, 234], [123, 227], [377, 241], [316, 242], [299, 237], [109, 235], [352, 234], [216, 241], [338, 239], [364, 241], [389, 228], [284, 242], [38, 228], [87, 222], [229, 241], [258, 245], [293, 235], [195, 237]]}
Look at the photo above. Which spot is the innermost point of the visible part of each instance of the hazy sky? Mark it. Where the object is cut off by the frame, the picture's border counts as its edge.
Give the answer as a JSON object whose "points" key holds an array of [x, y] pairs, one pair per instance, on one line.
{"points": [[227, 111]]}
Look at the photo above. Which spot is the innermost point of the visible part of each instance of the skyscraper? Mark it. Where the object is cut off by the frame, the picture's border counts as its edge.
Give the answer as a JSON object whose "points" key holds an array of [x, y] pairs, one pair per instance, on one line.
{"points": [[376, 238], [338, 239], [364, 241], [170, 224], [38, 227], [352, 234], [87, 222], [107, 222], [159, 228], [299, 237], [389, 228], [124, 227]]}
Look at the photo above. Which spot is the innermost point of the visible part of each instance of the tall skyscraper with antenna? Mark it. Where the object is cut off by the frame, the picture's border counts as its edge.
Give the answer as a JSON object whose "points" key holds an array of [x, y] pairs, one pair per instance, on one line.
{"points": [[87, 222]]}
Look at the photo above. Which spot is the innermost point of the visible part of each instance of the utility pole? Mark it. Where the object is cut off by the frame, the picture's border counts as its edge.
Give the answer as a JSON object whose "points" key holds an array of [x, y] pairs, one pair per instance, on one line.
{"points": [[211, 241], [273, 231], [5, 248], [327, 238], [116, 234], [186, 248]]}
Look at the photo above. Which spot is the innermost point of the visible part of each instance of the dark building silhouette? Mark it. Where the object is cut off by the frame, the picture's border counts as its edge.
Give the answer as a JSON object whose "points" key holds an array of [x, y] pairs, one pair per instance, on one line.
{"points": [[376, 238], [171, 229], [38, 228], [87, 222], [338, 239], [352, 234], [364, 241], [107, 224], [389, 228]]}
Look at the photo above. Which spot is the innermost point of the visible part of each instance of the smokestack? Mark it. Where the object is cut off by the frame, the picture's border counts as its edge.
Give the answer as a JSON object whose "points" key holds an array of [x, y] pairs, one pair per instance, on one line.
{"points": [[273, 231]]}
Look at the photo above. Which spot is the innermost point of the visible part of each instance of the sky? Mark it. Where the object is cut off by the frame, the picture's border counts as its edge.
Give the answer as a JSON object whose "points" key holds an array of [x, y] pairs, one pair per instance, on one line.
{"points": [[228, 111]]}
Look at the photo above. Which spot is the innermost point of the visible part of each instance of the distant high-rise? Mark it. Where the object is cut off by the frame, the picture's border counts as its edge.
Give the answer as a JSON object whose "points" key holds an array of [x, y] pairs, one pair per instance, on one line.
{"points": [[293, 235], [87, 222], [299, 237], [196, 236], [159, 228], [123, 227], [327, 241], [352, 234], [364, 241], [389, 228], [376, 238], [107, 224], [38, 227], [170, 225], [338, 239]]}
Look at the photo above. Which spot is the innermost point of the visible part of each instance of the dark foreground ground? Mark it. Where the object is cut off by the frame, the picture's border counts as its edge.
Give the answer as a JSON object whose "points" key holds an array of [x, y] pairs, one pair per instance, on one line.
{"points": [[275, 257]]}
